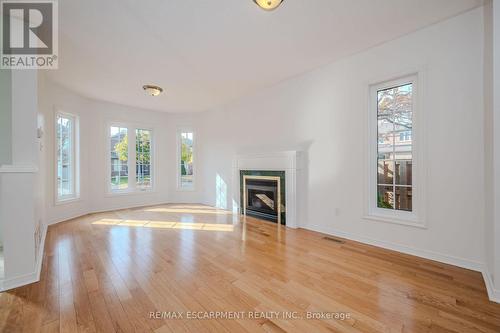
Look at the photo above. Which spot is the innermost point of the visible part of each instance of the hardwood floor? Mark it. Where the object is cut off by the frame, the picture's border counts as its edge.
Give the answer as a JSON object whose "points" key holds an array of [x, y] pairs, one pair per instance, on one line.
{"points": [[107, 272]]}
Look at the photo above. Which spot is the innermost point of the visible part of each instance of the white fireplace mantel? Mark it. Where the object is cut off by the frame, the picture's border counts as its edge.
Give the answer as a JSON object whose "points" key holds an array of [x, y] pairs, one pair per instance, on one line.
{"points": [[288, 161]]}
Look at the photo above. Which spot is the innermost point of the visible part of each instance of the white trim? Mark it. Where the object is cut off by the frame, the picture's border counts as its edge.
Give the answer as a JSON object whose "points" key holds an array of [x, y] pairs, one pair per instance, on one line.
{"points": [[152, 160], [18, 281], [416, 218], [109, 191], [126, 192], [390, 219], [33, 277], [288, 161], [132, 188], [180, 130], [493, 294], [67, 201], [71, 217], [18, 168], [96, 211], [75, 163], [277, 179], [426, 254]]}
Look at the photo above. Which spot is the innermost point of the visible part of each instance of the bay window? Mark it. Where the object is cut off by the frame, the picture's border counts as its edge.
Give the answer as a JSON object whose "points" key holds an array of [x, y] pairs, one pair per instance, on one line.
{"points": [[119, 158], [143, 158], [186, 160], [130, 159]]}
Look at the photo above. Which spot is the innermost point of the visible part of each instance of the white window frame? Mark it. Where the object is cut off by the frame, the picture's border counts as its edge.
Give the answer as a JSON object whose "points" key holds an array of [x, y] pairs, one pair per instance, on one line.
{"points": [[131, 163], [178, 168], [75, 152], [416, 217], [151, 159]]}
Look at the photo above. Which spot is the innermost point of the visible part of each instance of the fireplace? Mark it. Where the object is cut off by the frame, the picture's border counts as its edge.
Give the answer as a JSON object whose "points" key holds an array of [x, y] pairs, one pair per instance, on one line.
{"points": [[287, 165], [262, 197]]}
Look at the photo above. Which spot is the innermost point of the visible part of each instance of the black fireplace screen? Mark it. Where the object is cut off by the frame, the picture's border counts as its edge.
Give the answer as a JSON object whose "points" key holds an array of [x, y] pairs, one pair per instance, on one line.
{"points": [[262, 198], [260, 195]]}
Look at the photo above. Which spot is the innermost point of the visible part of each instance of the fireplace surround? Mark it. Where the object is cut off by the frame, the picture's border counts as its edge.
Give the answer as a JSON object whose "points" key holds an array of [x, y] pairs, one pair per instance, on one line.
{"points": [[285, 164], [263, 194]]}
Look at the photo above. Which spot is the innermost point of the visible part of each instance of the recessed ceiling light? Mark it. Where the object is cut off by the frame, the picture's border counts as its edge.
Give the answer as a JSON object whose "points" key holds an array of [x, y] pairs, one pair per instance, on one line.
{"points": [[268, 4], [152, 89]]}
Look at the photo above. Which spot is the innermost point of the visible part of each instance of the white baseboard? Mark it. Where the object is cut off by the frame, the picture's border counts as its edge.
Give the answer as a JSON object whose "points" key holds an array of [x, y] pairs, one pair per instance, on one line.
{"points": [[19, 281], [493, 294], [444, 258], [63, 219], [80, 214]]}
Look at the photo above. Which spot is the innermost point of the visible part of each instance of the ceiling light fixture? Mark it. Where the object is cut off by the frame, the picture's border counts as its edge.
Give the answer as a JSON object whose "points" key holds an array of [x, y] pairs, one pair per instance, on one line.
{"points": [[268, 4], [152, 89]]}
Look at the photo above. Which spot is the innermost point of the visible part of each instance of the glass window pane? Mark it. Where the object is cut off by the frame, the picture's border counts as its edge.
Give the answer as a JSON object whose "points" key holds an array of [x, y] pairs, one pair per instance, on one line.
{"points": [[385, 197], [402, 155], [385, 172], [386, 145], [65, 158], [186, 162], [403, 173], [396, 99], [403, 198], [119, 158], [143, 158], [394, 146]]}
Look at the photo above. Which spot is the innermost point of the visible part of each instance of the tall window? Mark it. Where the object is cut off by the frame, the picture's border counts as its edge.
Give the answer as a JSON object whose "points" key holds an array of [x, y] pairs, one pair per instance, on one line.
{"points": [[66, 154], [394, 147], [143, 158], [119, 158], [186, 172]]}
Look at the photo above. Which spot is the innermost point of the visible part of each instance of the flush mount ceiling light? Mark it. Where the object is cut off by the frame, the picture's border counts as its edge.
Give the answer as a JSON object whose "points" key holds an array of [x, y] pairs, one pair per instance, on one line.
{"points": [[152, 89], [268, 4]]}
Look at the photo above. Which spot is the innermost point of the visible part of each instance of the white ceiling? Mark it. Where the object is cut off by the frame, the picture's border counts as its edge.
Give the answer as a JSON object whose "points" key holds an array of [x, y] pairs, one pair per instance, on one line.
{"points": [[205, 53]]}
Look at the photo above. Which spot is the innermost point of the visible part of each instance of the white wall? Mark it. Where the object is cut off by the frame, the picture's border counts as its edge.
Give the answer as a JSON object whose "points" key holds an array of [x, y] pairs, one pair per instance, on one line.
{"points": [[53, 97], [24, 106], [19, 200], [488, 138], [492, 146], [5, 117], [496, 148], [5, 124], [324, 114], [94, 117]]}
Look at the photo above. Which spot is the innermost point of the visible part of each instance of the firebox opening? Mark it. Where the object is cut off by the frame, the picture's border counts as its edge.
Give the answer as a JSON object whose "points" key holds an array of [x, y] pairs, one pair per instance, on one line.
{"points": [[262, 197]]}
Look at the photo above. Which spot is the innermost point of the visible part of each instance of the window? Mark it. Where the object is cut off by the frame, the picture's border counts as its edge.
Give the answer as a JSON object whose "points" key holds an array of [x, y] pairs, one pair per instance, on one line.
{"points": [[394, 157], [143, 158], [131, 157], [66, 155], [186, 167], [405, 136], [392, 175], [119, 158]]}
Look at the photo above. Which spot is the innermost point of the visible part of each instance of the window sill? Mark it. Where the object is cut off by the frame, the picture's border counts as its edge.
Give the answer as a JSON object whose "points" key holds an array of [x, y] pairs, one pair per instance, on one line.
{"points": [[130, 192], [395, 220], [186, 189], [60, 202]]}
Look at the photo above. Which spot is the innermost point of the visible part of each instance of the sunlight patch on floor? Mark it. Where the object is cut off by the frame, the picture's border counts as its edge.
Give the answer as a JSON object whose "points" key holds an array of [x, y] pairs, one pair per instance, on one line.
{"points": [[188, 211], [165, 224]]}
